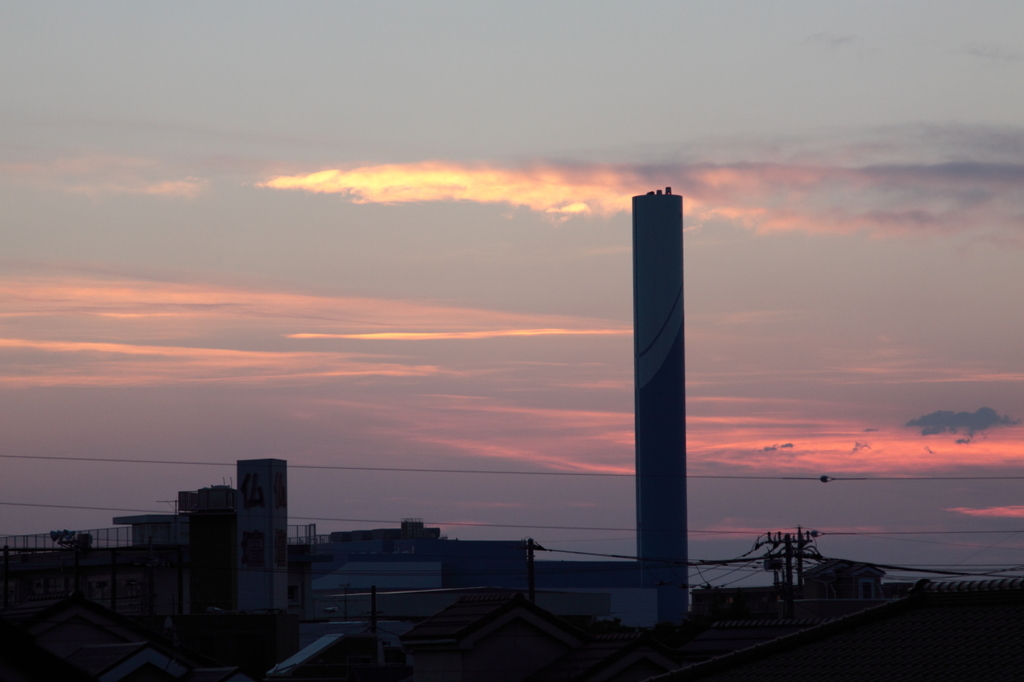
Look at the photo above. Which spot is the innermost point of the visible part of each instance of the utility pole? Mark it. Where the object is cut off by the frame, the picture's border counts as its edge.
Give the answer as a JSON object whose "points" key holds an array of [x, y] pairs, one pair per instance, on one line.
{"points": [[788, 544], [784, 548], [181, 582], [7, 569], [78, 579], [113, 580], [150, 581], [373, 609], [802, 540], [531, 581]]}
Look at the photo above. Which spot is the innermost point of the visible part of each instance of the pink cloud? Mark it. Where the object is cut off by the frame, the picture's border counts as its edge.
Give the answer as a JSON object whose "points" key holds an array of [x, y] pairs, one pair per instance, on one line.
{"points": [[330, 316], [488, 428], [486, 334], [121, 364], [94, 331], [1012, 511], [97, 175]]}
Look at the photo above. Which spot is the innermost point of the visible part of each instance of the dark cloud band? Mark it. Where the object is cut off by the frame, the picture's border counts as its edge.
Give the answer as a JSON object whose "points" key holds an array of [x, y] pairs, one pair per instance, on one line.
{"points": [[944, 421]]}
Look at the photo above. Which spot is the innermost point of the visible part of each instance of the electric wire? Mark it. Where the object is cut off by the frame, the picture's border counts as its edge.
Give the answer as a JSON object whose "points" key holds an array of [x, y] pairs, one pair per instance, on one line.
{"points": [[593, 474], [484, 524]]}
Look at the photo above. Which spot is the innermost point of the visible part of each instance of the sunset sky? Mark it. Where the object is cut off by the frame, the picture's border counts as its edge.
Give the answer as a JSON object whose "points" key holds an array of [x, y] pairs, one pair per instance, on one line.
{"points": [[398, 235]]}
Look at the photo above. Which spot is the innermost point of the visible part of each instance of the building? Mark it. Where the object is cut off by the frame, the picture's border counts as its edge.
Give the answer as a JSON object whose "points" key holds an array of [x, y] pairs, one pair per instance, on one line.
{"points": [[222, 550], [127, 572], [433, 565], [837, 587], [736, 603], [659, 375]]}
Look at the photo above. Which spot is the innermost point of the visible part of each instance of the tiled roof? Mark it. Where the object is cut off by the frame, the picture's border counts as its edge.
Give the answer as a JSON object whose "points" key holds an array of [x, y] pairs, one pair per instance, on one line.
{"points": [[598, 653], [727, 636], [96, 659], [851, 567], [472, 612], [21, 658], [967, 630], [211, 675]]}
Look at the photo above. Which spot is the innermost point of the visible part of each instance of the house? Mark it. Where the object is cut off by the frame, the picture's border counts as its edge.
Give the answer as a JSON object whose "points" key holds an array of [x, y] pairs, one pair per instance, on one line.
{"points": [[107, 646], [506, 638], [736, 602], [965, 630], [842, 579], [22, 660], [838, 587], [345, 656]]}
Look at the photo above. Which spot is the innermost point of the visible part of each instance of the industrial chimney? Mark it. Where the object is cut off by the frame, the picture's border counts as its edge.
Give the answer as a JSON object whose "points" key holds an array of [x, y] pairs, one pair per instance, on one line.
{"points": [[659, 398]]}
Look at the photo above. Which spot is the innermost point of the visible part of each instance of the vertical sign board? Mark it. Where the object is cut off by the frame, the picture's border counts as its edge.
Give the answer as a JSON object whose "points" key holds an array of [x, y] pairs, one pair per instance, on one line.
{"points": [[262, 534]]}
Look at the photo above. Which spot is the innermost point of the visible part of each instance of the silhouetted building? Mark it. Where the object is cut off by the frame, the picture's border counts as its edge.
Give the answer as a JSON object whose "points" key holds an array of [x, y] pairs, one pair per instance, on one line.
{"points": [[837, 587], [105, 564], [213, 555], [436, 564], [660, 397], [735, 602]]}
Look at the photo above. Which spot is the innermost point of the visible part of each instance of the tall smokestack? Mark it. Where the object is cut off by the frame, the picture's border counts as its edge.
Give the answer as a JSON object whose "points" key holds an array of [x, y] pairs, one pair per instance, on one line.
{"points": [[659, 398]]}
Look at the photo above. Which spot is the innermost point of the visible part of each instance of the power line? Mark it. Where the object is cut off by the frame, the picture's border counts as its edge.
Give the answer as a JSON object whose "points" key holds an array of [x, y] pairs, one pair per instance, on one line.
{"points": [[468, 524], [592, 474], [698, 562], [920, 569], [829, 479], [484, 524], [947, 544], [917, 532]]}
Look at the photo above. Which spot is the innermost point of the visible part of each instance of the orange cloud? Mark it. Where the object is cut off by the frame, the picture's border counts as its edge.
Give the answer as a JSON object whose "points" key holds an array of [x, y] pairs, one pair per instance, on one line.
{"points": [[545, 189], [768, 197]]}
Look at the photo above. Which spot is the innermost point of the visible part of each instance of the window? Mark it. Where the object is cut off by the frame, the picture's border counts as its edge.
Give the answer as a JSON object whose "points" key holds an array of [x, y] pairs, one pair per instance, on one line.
{"points": [[867, 589], [98, 589]]}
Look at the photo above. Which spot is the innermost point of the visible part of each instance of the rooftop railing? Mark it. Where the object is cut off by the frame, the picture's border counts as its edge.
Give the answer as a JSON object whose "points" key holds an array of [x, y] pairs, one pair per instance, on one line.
{"points": [[96, 538]]}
